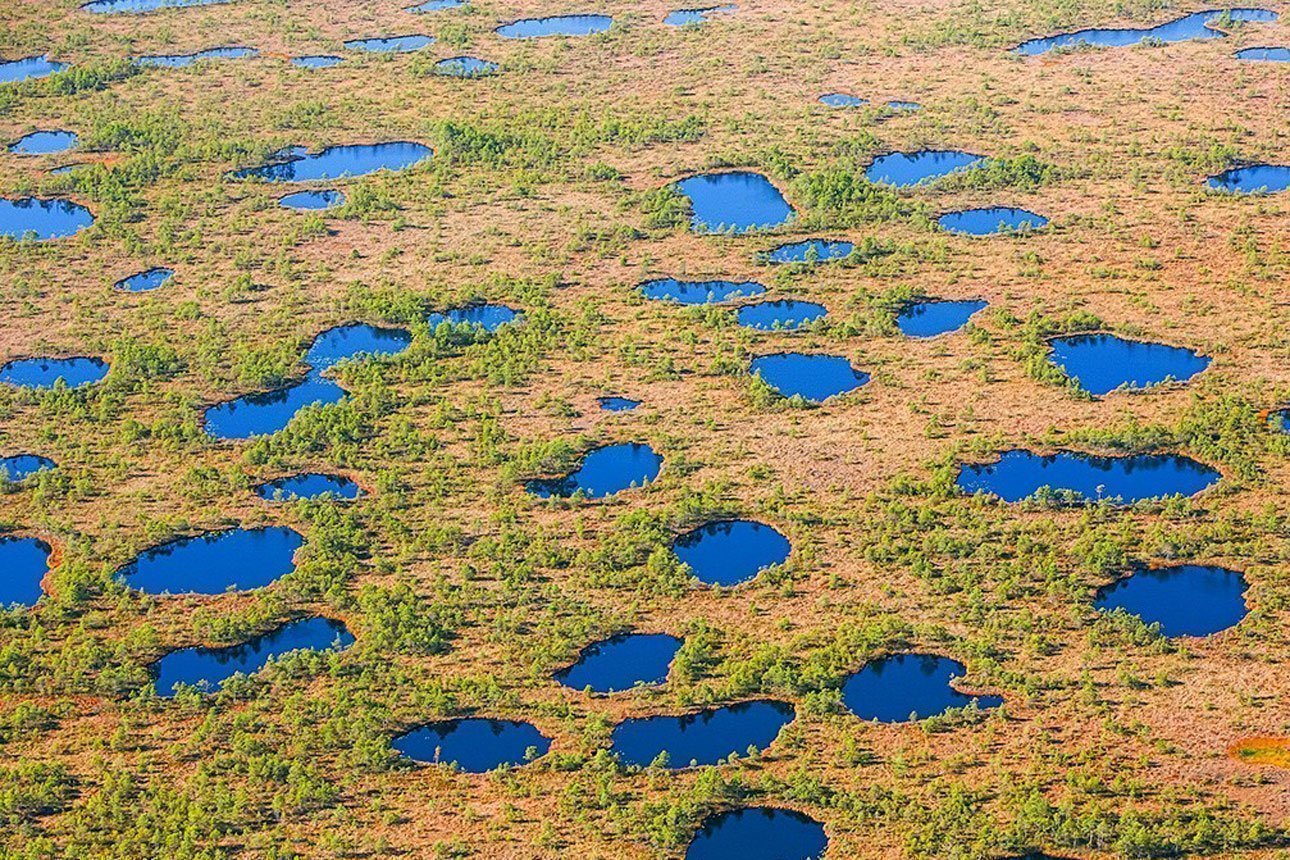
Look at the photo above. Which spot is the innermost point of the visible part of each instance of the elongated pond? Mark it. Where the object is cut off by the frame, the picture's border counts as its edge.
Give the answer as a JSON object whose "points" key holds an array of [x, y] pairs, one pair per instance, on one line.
{"points": [[728, 552], [906, 687], [317, 61], [702, 738], [813, 377], [20, 467], [145, 281], [558, 25], [699, 292], [74, 372], [1254, 179], [312, 201], [136, 7], [907, 169], [991, 221], [44, 143], [435, 6], [391, 44], [1102, 363], [1020, 474], [617, 404], [311, 485], [465, 67], [783, 314], [621, 663], [337, 162], [34, 218], [179, 61], [1264, 55], [1185, 600], [474, 745], [810, 251], [603, 472], [24, 562], [231, 560], [735, 202], [1198, 25], [40, 66], [488, 317], [842, 100], [759, 833], [684, 17], [933, 318]]}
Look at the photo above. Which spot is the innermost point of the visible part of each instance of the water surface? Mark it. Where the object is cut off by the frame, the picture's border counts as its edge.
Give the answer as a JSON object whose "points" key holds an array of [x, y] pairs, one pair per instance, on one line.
{"points": [[1021, 474], [783, 314], [44, 143], [896, 104], [682, 17], [908, 687], [759, 833], [24, 561], [317, 61], [308, 486], [814, 377], [336, 162], [702, 738], [390, 44], [179, 61], [45, 372], [474, 745], [489, 317], [991, 220], [699, 292], [312, 201], [929, 319], [735, 202], [135, 7], [1194, 26], [466, 67], [621, 663], [1264, 55], [728, 552], [907, 169], [142, 282], [1255, 179], [810, 251], [1102, 363], [617, 404], [235, 559], [32, 217], [40, 66], [603, 472], [20, 467], [1185, 600], [842, 100], [559, 25], [435, 6]]}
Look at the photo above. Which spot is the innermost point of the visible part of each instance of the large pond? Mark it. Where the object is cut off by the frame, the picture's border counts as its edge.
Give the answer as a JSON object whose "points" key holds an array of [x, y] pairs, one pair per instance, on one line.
{"points": [[25, 561], [232, 560], [111, 7], [810, 251], [44, 143], [179, 61], [145, 281], [390, 44], [312, 201], [908, 687], [813, 377], [20, 467], [604, 471], [703, 738], [46, 372], [728, 552], [991, 221], [1021, 474], [699, 292], [559, 25], [933, 318], [621, 663], [1254, 179], [34, 218], [311, 485], [683, 17], [1264, 55], [1185, 600], [759, 833], [474, 745], [907, 169], [734, 202], [336, 162], [783, 314], [466, 67], [1198, 25], [1102, 363], [28, 67], [208, 668], [488, 317]]}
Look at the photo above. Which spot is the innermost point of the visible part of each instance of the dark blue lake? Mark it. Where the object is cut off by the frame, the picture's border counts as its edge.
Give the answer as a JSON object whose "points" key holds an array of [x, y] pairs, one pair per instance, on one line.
{"points": [[699, 292], [1255, 179], [110, 7], [734, 202], [682, 17], [44, 143], [265, 412], [1185, 600], [465, 67], [906, 169], [485, 316], [703, 738], [621, 662], [235, 559], [310, 201], [810, 251], [28, 67], [908, 686], [1186, 28], [31, 217], [1281, 420], [784, 314], [813, 377], [1264, 55], [435, 6], [604, 471], [617, 404], [336, 162], [19, 467], [1019, 474], [759, 833], [842, 100], [728, 552], [44, 372], [317, 61], [560, 25], [1102, 363], [391, 44], [142, 282], [209, 668], [24, 562], [474, 745], [355, 340], [179, 61], [308, 486], [991, 220], [929, 319]]}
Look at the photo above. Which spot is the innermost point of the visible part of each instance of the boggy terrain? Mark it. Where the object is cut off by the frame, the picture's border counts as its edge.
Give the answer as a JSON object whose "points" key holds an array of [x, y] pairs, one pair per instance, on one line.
{"points": [[550, 190]]}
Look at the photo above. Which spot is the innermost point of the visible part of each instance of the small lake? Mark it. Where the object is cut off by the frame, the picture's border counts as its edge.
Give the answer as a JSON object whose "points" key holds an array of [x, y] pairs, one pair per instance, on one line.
{"points": [[135, 7], [1186, 28], [759, 833], [353, 341], [1185, 600], [810, 251], [604, 471], [699, 292], [907, 687], [728, 552], [20, 467], [317, 61], [337, 162], [45, 372], [1254, 179], [435, 6], [1264, 55], [683, 17], [814, 377], [466, 67], [31, 217], [1102, 363], [842, 100], [991, 220], [208, 668], [230, 560], [25, 561], [617, 404], [735, 202], [1020, 474], [179, 61], [896, 104], [781, 315], [1280, 420], [44, 143], [929, 319], [474, 745], [41, 66], [621, 663], [312, 201], [907, 169], [559, 25], [390, 44], [703, 738], [142, 282], [486, 316], [311, 485]]}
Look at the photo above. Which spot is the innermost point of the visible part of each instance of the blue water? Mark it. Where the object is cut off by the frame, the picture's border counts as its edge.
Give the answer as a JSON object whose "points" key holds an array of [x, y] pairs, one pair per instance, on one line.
{"points": [[560, 25], [308, 486], [436, 6], [682, 17], [842, 100], [148, 279], [991, 220], [784, 314], [317, 61], [474, 745], [235, 559], [617, 404], [1257, 178], [1020, 474], [1281, 420], [728, 552], [465, 67], [355, 340], [908, 686], [19, 467], [311, 201], [1265, 55], [604, 471], [759, 833], [1186, 600], [1102, 363], [390, 44], [44, 143], [1181, 29], [896, 104], [485, 316], [44, 372], [177, 61], [621, 662], [42, 219], [814, 377], [929, 319], [209, 668], [336, 162], [109, 7], [907, 169], [699, 292], [27, 68], [24, 561], [736, 202], [810, 251], [703, 738]]}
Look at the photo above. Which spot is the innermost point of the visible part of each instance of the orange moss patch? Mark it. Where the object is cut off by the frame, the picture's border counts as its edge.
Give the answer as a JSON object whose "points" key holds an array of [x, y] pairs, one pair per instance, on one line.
{"points": [[1269, 751]]}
